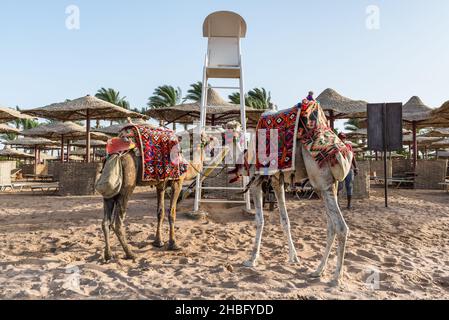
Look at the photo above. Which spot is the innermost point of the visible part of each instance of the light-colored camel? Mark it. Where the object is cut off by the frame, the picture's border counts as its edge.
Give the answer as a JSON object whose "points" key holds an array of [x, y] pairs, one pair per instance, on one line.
{"points": [[115, 208], [323, 181]]}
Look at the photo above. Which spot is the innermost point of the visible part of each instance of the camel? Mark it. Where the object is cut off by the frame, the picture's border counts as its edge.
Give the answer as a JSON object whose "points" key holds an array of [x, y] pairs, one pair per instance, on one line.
{"points": [[115, 208], [325, 184]]}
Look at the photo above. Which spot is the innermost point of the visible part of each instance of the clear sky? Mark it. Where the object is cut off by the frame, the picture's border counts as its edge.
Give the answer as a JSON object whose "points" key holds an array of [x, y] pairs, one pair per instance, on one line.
{"points": [[291, 47]]}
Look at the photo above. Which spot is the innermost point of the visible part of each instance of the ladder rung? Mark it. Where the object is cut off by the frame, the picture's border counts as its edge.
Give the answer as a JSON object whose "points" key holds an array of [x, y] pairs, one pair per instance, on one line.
{"points": [[224, 87], [221, 201]]}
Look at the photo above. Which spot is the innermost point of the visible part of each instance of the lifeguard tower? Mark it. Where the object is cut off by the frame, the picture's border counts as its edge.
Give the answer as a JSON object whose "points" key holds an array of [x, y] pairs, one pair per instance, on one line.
{"points": [[224, 29]]}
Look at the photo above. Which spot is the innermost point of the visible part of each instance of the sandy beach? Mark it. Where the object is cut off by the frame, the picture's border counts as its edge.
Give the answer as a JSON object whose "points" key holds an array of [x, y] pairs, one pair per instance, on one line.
{"points": [[47, 243]]}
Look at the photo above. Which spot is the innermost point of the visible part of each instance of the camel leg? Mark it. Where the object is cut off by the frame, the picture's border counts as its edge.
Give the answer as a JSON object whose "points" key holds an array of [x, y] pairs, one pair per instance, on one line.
{"points": [[258, 204], [341, 230], [108, 206], [120, 215], [279, 190], [160, 190], [176, 190], [330, 241]]}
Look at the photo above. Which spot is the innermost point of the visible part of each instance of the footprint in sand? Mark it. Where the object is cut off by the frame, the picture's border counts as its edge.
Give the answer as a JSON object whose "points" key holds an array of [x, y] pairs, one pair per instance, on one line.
{"points": [[369, 255]]}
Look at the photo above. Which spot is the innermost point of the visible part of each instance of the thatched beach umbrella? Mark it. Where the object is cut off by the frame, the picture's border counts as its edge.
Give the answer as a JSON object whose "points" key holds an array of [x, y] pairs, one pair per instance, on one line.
{"points": [[14, 154], [85, 108], [34, 143], [219, 111], [7, 129], [437, 132], [116, 128], [65, 131], [414, 112], [95, 144], [337, 106], [7, 114]]}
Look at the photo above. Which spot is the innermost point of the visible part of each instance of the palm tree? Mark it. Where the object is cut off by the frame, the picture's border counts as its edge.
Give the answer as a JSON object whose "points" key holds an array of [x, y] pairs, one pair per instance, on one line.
{"points": [[111, 96], [165, 96], [257, 98], [195, 92]]}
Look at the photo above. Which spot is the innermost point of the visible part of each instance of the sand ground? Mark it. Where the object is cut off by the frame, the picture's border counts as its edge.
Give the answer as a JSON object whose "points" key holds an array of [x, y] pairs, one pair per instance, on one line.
{"points": [[49, 245]]}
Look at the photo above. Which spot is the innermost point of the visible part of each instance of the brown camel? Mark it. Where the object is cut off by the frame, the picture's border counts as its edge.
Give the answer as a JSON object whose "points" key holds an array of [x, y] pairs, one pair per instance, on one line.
{"points": [[115, 208]]}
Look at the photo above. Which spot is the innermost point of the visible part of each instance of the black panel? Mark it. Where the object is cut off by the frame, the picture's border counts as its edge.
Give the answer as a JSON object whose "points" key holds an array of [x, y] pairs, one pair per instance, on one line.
{"points": [[393, 130]]}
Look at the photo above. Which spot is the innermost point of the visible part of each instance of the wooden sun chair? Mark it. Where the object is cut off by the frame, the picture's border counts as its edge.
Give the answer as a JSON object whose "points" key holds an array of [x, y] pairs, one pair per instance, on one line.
{"points": [[52, 188]]}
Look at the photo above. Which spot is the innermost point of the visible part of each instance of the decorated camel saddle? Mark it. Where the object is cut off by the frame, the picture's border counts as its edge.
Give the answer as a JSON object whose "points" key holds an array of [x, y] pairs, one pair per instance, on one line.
{"points": [[158, 149], [302, 127]]}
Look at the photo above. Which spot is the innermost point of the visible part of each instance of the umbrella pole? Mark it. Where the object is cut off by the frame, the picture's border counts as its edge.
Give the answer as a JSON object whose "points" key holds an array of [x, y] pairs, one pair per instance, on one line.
{"points": [[87, 136], [415, 147], [68, 150], [62, 148], [331, 119], [35, 159]]}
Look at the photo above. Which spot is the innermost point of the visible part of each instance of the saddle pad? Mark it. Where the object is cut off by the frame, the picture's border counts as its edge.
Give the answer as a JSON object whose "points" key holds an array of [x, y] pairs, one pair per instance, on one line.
{"points": [[160, 152], [286, 124]]}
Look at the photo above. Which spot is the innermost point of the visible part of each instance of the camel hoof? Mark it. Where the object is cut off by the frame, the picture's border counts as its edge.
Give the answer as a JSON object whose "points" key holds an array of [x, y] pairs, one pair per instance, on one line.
{"points": [[158, 243], [294, 260], [107, 256], [172, 246], [250, 264], [335, 283], [130, 256], [316, 275]]}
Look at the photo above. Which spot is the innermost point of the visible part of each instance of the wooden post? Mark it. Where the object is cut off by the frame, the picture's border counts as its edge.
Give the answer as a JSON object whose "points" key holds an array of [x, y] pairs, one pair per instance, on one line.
{"points": [[87, 136], [62, 148], [331, 119], [385, 152], [68, 150], [415, 147], [35, 159]]}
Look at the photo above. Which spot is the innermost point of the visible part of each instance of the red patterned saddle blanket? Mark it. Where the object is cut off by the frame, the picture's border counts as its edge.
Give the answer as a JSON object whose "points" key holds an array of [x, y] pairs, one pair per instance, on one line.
{"points": [[306, 123], [160, 152], [284, 124]]}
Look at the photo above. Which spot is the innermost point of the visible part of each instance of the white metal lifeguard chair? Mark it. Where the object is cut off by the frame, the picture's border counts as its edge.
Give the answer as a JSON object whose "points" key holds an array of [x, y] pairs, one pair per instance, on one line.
{"points": [[224, 29]]}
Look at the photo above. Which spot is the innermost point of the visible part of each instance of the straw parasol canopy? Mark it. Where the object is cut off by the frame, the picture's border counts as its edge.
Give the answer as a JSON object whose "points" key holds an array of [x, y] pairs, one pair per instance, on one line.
{"points": [[442, 144], [218, 112], [65, 130], [340, 107], [415, 110], [85, 108], [35, 143], [15, 154], [7, 129], [421, 140], [436, 133], [31, 142], [116, 128], [357, 134], [7, 114], [93, 143]]}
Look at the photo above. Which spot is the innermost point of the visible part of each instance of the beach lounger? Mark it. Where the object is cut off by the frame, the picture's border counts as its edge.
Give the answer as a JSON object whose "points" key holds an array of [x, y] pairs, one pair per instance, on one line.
{"points": [[4, 187], [398, 181], [46, 187]]}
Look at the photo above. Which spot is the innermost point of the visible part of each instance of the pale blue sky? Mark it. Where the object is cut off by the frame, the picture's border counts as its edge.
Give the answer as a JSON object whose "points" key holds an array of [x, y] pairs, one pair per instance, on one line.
{"points": [[291, 47]]}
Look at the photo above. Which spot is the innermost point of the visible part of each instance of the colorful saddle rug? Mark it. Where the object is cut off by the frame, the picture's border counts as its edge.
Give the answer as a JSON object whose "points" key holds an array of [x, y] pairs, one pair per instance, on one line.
{"points": [[279, 154], [317, 137], [160, 152], [305, 122]]}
